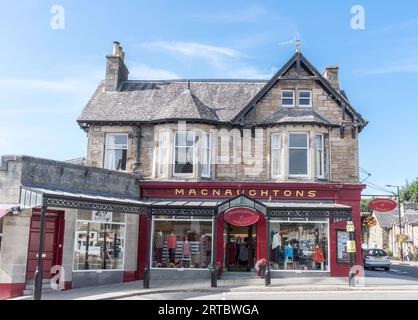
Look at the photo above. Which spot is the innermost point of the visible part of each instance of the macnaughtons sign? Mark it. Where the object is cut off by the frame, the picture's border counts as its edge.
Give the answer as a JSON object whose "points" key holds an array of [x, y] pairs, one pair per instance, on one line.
{"points": [[382, 204], [241, 217]]}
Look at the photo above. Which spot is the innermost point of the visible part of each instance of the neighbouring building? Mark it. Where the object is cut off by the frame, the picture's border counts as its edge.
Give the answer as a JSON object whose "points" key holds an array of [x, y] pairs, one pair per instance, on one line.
{"points": [[181, 176]]}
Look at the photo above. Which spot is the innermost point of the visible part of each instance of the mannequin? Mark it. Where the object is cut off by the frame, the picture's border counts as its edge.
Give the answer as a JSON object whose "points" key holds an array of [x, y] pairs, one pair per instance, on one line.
{"points": [[318, 257], [172, 245], [159, 245], [288, 253], [203, 243]]}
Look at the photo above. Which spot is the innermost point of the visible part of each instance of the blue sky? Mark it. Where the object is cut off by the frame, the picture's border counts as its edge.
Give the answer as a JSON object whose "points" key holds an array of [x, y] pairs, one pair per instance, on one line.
{"points": [[47, 75]]}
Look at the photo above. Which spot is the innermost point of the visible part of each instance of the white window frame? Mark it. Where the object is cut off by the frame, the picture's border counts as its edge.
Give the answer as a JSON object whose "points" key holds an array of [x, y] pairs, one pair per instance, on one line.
{"points": [[310, 99], [273, 150], [206, 151], [319, 156], [124, 247], [293, 98], [175, 174], [163, 151], [298, 148], [107, 149]]}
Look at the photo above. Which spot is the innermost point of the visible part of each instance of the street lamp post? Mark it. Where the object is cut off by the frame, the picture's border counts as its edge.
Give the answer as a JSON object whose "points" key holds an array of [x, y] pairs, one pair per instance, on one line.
{"points": [[398, 195]]}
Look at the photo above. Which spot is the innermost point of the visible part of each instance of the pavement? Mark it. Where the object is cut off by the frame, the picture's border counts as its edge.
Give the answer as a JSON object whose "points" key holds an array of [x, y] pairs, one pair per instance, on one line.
{"points": [[401, 281]]}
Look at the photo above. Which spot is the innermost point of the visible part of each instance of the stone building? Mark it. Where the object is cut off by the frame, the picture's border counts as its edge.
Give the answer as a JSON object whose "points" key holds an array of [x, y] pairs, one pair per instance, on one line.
{"points": [[188, 178]]}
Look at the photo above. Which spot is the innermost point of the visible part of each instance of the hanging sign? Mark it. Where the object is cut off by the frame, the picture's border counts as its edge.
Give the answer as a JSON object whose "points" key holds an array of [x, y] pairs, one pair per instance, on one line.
{"points": [[382, 204], [351, 246], [241, 217], [350, 226]]}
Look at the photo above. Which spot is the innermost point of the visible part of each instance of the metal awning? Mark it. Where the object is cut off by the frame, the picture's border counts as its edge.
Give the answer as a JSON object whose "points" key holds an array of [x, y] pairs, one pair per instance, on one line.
{"points": [[308, 209], [38, 197]]}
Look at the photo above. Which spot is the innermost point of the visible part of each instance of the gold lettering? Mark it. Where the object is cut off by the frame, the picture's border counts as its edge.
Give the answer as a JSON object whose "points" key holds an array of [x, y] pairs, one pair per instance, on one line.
{"points": [[299, 193], [228, 192], [204, 192], [216, 192], [264, 193], [180, 192], [252, 193], [312, 194], [276, 192], [287, 193], [192, 192]]}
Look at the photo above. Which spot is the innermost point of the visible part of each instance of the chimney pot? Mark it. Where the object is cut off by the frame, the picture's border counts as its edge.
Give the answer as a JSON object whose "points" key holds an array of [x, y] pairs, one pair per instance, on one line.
{"points": [[116, 70], [331, 74]]}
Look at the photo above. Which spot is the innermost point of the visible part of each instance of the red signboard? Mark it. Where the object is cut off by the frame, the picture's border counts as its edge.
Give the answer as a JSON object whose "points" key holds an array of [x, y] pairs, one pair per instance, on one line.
{"points": [[382, 204], [241, 217]]}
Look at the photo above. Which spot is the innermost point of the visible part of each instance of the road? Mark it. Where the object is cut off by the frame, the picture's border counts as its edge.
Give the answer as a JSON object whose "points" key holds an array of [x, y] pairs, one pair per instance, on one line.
{"points": [[397, 273]]}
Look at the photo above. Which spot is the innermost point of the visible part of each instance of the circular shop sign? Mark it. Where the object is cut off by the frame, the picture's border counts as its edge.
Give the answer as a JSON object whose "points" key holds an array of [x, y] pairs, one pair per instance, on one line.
{"points": [[382, 204], [241, 217]]}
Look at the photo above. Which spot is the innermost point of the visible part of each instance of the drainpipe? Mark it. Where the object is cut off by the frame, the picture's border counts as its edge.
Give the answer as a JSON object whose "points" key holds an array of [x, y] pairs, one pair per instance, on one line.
{"points": [[268, 273], [37, 292], [147, 271], [214, 265]]}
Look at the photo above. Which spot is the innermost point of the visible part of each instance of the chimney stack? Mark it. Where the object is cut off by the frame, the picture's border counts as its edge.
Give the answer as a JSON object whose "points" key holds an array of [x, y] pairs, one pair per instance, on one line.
{"points": [[116, 70], [331, 74]]}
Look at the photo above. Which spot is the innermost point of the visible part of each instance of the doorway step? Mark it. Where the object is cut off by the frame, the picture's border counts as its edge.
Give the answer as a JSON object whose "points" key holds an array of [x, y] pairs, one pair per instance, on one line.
{"points": [[30, 287]]}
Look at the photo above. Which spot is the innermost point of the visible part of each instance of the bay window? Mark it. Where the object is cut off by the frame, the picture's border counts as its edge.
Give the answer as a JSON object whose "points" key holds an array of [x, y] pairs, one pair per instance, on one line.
{"points": [[183, 153], [206, 153], [275, 154], [298, 154], [319, 155], [116, 151], [288, 98]]}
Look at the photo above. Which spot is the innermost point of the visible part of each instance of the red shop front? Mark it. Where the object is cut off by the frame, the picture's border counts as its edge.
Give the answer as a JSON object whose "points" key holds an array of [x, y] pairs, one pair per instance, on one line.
{"points": [[303, 235]]}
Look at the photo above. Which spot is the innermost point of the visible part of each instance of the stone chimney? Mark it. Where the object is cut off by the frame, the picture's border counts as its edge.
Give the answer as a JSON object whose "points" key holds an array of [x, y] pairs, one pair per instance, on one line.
{"points": [[331, 74], [116, 70]]}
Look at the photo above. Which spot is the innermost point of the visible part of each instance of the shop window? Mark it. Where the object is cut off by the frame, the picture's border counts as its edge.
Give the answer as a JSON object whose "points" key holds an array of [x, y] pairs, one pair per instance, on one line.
{"points": [[206, 155], [1, 231], [288, 98], [275, 154], [319, 155], [99, 241], [116, 151], [181, 243], [163, 151], [298, 154], [299, 245], [183, 153], [305, 98]]}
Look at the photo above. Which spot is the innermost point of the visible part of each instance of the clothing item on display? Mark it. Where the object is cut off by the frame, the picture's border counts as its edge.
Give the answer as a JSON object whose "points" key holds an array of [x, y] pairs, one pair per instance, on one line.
{"points": [[276, 241], [318, 256], [288, 251], [172, 241], [171, 255], [159, 254], [231, 252], [243, 253], [203, 245], [159, 240], [186, 248]]}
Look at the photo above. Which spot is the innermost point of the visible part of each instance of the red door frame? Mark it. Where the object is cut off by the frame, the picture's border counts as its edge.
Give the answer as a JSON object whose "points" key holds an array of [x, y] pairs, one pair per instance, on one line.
{"points": [[59, 235]]}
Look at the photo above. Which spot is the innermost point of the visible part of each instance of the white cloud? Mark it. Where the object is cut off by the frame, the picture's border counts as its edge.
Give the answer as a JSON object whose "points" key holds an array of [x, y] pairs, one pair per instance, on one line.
{"points": [[144, 72], [194, 49]]}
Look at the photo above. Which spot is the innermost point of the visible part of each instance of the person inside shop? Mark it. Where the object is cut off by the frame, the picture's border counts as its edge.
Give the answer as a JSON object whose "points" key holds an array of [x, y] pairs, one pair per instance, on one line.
{"points": [[172, 245]]}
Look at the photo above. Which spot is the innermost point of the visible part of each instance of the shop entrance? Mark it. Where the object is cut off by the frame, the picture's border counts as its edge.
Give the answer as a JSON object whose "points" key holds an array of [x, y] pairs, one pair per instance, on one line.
{"points": [[240, 247]]}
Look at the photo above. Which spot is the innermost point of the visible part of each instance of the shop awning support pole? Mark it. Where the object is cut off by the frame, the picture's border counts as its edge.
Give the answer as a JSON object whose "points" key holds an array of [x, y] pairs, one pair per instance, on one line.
{"points": [[214, 265], [37, 292], [147, 271], [268, 273]]}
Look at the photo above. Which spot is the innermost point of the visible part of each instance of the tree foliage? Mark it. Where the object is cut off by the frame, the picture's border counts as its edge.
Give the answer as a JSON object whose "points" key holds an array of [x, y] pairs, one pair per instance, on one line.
{"points": [[409, 193], [364, 205]]}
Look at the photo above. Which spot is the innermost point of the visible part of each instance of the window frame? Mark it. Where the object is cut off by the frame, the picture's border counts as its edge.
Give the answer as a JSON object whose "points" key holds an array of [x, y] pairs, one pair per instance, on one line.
{"points": [[209, 152], [307, 148], [273, 150], [107, 149], [124, 223], [161, 170], [293, 98], [310, 98], [322, 158], [175, 147]]}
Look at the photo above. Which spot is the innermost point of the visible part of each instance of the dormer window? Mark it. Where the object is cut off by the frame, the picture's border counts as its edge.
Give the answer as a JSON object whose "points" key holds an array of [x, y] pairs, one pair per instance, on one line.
{"points": [[305, 98], [288, 98]]}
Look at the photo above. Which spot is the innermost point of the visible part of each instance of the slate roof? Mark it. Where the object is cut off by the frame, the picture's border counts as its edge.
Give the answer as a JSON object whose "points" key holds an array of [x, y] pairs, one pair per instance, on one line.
{"points": [[154, 101], [296, 115], [385, 219]]}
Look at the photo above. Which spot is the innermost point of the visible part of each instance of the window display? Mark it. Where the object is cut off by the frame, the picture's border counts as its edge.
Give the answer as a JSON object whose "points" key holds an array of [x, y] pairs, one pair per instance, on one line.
{"points": [[99, 241], [181, 243], [299, 245]]}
